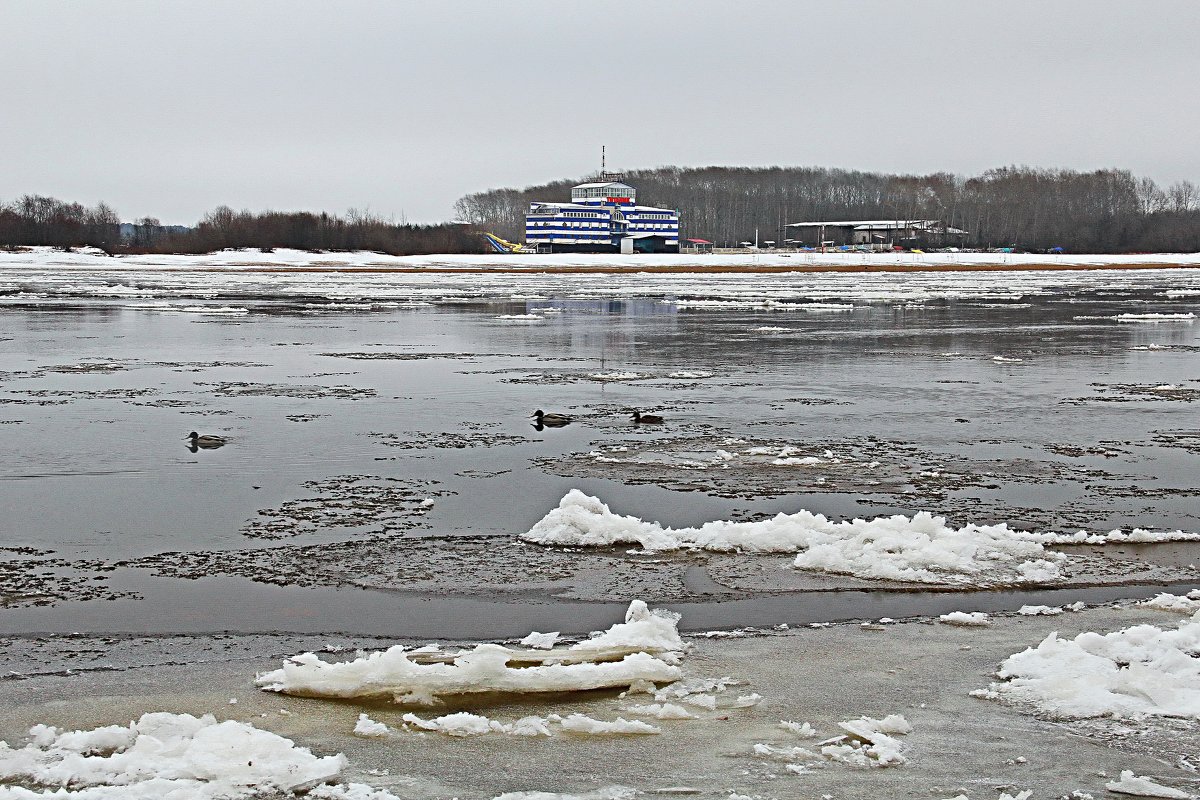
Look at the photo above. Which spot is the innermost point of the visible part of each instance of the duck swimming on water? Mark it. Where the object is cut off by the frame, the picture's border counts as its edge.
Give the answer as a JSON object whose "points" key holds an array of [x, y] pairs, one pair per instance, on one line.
{"points": [[206, 442], [551, 420], [646, 419]]}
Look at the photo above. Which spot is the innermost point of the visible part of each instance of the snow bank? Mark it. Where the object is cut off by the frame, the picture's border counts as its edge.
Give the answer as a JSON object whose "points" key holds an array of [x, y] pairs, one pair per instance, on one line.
{"points": [[1142, 786], [163, 755], [921, 548], [646, 647], [1138, 670]]}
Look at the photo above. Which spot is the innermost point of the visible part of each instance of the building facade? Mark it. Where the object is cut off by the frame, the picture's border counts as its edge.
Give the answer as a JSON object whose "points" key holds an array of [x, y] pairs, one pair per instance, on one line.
{"points": [[602, 217]]}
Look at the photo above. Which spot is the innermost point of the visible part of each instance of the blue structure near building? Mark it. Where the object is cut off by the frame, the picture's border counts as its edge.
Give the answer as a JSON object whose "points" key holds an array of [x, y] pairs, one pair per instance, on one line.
{"points": [[602, 217]]}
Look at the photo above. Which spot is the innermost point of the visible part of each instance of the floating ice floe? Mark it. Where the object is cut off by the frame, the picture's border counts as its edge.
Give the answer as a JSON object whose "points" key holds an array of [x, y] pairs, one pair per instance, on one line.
{"points": [[541, 641], [1154, 317], [660, 711], [464, 724], [1039, 611], [369, 728], [1141, 786], [921, 548], [526, 317], [1179, 604], [1006, 360], [164, 755], [646, 647], [1140, 670], [685, 374], [974, 619], [616, 376], [799, 728], [581, 723], [1135, 536], [605, 793]]}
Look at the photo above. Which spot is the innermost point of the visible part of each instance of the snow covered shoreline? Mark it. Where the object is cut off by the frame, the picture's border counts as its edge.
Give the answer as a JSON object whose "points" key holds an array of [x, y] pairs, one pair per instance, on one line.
{"points": [[251, 259]]}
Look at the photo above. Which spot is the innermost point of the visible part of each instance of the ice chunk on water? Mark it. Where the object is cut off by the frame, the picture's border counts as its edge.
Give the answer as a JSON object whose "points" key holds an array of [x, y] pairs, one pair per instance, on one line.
{"points": [[921, 548], [164, 754], [542, 641], [646, 647], [581, 723], [965, 619], [1165, 601], [1140, 670], [1039, 611], [1142, 786], [369, 728]]}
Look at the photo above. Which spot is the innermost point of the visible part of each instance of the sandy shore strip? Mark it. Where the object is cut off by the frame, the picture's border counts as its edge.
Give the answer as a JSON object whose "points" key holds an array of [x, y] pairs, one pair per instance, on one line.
{"points": [[824, 675]]}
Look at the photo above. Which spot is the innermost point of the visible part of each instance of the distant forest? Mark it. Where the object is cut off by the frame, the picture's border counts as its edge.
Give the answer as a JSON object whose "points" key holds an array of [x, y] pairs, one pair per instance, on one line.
{"points": [[36, 220], [1106, 211]]}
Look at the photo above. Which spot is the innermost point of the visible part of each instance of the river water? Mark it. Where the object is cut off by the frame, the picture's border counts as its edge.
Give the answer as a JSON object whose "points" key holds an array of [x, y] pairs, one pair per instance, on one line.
{"points": [[391, 408]]}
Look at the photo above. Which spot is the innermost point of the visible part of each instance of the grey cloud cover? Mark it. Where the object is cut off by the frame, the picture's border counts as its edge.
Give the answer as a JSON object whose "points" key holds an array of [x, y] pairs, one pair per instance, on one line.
{"points": [[171, 108]]}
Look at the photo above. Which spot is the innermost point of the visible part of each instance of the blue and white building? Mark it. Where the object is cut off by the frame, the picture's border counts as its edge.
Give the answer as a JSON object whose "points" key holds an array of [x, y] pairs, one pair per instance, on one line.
{"points": [[602, 217]]}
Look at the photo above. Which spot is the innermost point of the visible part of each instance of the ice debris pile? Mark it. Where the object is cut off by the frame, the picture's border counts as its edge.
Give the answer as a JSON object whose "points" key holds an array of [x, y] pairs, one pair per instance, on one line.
{"points": [[867, 742], [921, 548], [646, 647], [1140, 670], [166, 755]]}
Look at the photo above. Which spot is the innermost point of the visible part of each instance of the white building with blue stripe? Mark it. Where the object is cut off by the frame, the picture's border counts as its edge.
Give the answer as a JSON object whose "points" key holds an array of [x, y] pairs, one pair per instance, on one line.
{"points": [[602, 217]]}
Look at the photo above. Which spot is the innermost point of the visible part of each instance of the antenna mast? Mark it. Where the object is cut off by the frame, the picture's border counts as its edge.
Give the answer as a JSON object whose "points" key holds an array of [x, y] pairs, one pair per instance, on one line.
{"points": [[603, 158]]}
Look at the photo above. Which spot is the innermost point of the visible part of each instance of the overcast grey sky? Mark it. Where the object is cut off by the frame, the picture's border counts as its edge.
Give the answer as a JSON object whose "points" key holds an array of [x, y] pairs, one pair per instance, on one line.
{"points": [[171, 108]]}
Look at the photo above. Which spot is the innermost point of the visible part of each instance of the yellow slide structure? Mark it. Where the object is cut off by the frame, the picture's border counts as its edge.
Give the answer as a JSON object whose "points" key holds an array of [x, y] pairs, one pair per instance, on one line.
{"points": [[505, 246]]}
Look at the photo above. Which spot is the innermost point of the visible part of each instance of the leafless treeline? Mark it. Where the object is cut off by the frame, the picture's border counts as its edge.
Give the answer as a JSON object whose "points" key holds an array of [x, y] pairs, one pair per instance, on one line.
{"points": [[1103, 211], [44, 220], [34, 220]]}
